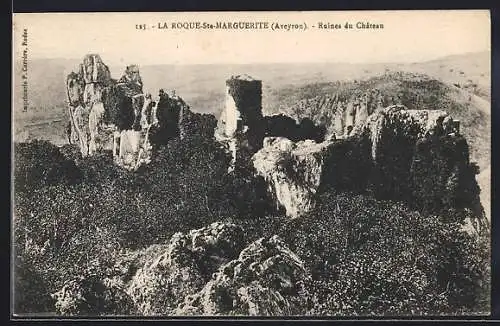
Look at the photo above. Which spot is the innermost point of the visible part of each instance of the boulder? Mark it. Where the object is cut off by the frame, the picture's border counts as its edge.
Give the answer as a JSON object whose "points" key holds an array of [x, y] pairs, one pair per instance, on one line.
{"points": [[293, 171], [182, 267], [265, 280], [92, 296]]}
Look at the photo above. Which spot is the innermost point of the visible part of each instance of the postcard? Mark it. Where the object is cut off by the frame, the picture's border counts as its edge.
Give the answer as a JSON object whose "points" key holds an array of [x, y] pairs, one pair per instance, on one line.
{"points": [[273, 164]]}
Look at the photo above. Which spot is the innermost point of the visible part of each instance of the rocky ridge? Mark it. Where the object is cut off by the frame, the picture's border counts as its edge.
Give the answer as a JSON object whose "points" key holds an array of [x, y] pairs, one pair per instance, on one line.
{"points": [[390, 151], [206, 271], [108, 114]]}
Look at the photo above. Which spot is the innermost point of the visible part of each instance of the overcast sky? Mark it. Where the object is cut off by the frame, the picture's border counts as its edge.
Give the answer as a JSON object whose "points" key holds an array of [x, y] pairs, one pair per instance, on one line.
{"points": [[408, 36]]}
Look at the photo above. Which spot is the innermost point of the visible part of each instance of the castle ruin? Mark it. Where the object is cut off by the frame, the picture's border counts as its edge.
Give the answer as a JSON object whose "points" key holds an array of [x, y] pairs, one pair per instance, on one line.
{"points": [[240, 126]]}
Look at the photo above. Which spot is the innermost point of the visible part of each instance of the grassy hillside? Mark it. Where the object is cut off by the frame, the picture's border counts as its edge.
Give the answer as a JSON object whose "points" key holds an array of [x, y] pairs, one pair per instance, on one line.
{"points": [[416, 91], [473, 68]]}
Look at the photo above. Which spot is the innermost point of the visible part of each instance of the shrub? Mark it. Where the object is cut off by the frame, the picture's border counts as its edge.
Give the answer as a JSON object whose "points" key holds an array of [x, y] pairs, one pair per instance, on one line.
{"points": [[452, 189], [378, 257], [60, 230], [39, 163], [30, 290], [372, 257]]}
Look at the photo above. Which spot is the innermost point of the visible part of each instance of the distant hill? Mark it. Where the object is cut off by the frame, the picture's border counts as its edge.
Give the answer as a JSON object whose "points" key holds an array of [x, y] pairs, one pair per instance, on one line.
{"points": [[203, 86], [463, 70], [414, 90]]}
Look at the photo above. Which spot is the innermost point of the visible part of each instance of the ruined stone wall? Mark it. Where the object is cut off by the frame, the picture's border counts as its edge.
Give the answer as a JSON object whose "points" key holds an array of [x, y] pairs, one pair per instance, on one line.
{"points": [[244, 94], [240, 126]]}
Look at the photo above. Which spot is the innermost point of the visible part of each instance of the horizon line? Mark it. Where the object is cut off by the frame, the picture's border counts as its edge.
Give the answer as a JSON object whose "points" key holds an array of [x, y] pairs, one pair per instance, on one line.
{"points": [[268, 63]]}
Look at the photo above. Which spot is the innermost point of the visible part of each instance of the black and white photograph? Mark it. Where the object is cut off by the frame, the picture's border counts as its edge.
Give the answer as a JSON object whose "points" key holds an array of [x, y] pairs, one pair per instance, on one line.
{"points": [[313, 164]]}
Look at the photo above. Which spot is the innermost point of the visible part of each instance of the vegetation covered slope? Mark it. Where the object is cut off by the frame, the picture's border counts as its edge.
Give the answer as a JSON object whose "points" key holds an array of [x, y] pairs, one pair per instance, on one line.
{"points": [[364, 256], [415, 91], [76, 219]]}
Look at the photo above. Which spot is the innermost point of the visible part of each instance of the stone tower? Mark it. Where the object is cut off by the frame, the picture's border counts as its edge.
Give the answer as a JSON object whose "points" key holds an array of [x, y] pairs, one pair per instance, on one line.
{"points": [[240, 125]]}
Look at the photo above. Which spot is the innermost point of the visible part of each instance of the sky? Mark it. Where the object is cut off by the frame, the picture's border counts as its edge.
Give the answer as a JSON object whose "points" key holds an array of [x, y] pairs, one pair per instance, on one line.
{"points": [[407, 36]]}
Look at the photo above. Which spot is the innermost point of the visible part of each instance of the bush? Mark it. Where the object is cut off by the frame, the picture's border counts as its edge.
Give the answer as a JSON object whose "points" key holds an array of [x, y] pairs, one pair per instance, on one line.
{"points": [[377, 257], [371, 257], [30, 291], [39, 163], [60, 230]]}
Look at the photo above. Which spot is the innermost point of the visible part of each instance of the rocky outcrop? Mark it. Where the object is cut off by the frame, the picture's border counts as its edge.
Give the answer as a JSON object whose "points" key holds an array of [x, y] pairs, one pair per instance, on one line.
{"points": [[293, 171], [106, 114], [131, 80], [206, 271], [267, 279], [182, 267], [397, 136], [340, 112], [93, 70], [296, 172], [398, 120], [396, 153], [84, 90]]}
